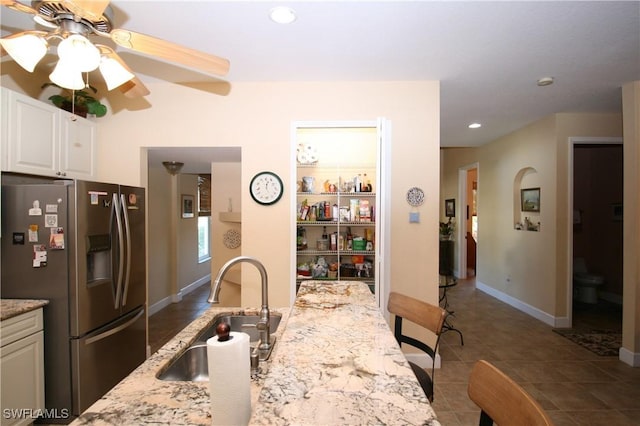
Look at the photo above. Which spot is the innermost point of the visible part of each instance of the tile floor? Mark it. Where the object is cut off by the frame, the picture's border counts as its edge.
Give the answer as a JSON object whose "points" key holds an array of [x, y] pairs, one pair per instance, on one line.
{"points": [[575, 386]]}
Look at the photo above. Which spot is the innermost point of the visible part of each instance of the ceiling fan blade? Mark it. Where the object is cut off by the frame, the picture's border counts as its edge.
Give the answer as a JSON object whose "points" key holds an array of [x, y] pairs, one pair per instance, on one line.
{"points": [[171, 52], [11, 4], [133, 88], [87, 9]]}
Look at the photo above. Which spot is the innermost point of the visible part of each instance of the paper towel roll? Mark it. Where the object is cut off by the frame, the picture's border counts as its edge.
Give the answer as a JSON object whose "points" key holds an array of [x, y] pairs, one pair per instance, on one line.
{"points": [[229, 379]]}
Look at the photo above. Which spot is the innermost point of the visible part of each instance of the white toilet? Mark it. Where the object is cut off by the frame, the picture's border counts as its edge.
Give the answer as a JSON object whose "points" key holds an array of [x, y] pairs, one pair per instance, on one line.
{"points": [[585, 285]]}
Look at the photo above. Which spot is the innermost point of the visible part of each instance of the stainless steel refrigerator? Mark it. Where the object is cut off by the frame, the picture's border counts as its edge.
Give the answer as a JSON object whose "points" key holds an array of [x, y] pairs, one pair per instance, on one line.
{"points": [[81, 245]]}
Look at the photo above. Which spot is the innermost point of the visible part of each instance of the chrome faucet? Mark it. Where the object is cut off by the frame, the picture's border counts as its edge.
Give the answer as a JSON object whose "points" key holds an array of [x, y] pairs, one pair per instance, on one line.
{"points": [[263, 324]]}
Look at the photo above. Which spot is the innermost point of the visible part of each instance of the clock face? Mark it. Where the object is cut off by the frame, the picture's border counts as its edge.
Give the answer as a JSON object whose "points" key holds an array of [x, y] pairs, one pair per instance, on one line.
{"points": [[266, 188]]}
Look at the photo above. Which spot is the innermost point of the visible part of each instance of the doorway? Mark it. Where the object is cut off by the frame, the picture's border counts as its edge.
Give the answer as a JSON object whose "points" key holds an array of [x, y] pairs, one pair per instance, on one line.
{"points": [[467, 234], [597, 232]]}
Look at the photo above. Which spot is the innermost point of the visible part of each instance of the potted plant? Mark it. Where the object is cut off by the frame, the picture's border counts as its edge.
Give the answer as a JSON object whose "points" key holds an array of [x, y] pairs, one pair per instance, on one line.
{"points": [[446, 230], [79, 102]]}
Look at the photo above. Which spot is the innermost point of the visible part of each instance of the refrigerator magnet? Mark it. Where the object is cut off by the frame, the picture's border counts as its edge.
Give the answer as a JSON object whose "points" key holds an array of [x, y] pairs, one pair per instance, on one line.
{"points": [[51, 220], [33, 233], [56, 239], [35, 210], [39, 256], [51, 208]]}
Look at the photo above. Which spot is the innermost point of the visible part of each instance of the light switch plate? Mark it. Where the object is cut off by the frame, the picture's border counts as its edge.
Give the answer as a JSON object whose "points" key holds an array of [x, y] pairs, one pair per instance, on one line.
{"points": [[414, 217]]}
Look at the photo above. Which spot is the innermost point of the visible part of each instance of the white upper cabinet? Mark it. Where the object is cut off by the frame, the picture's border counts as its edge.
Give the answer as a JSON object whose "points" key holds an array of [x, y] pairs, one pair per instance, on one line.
{"points": [[41, 139]]}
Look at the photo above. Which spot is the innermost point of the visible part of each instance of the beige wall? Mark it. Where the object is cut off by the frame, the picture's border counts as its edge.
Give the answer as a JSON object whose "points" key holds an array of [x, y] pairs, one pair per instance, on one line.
{"points": [[190, 271], [257, 117], [160, 215], [537, 263], [225, 185], [158, 235], [531, 267]]}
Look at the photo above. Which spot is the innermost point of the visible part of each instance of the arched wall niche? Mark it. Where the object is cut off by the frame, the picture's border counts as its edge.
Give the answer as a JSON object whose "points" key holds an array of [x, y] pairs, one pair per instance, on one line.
{"points": [[528, 179]]}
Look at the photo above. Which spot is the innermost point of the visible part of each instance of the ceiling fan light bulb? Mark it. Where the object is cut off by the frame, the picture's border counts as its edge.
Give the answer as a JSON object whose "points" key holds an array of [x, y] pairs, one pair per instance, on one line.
{"points": [[114, 73], [64, 75], [27, 50], [77, 51]]}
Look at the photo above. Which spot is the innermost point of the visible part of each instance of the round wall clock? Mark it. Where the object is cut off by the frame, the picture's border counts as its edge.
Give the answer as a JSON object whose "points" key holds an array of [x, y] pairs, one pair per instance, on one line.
{"points": [[415, 196], [266, 188]]}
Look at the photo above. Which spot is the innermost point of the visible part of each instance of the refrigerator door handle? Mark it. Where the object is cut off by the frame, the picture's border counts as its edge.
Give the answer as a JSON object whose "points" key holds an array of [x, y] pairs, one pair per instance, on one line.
{"points": [[127, 230], [115, 330], [116, 205]]}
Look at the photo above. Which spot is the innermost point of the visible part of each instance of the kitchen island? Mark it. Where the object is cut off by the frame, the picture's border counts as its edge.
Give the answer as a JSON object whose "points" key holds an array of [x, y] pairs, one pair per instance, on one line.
{"points": [[335, 362]]}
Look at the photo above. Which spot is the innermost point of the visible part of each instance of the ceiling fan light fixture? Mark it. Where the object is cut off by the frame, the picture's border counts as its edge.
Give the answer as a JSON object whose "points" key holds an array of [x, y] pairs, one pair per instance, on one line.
{"points": [[475, 125], [27, 50], [173, 167], [77, 51], [282, 15], [65, 75], [114, 73]]}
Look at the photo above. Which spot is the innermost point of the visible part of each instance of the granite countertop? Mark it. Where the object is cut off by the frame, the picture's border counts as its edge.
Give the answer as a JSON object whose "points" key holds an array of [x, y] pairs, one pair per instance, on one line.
{"points": [[10, 308], [335, 362], [338, 363]]}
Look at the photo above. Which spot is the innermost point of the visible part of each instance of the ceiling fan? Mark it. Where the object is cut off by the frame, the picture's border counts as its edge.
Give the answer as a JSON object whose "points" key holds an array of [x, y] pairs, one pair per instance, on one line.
{"points": [[71, 23]]}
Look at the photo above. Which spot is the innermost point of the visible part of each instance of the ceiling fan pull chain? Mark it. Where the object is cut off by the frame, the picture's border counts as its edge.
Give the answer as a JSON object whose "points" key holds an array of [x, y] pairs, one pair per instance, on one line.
{"points": [[73, 104]]}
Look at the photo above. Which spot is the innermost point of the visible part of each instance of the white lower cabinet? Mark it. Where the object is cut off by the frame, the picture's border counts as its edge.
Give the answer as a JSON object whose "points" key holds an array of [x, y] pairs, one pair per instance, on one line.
{"points": [[41, 139], [22, 368]]}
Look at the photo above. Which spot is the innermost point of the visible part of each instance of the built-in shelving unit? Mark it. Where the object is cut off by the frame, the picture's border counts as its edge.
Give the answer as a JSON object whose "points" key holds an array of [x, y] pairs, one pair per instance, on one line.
{"points": [[337, 173]]}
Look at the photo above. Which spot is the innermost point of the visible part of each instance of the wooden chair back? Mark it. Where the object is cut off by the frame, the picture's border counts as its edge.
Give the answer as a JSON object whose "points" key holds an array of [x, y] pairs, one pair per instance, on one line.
{"points": [[422, 313], [425, 315], [502, 400]]}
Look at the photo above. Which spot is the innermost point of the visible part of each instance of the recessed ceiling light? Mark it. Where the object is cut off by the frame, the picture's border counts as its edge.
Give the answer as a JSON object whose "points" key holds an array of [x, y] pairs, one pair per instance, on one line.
{"points": [[282, 15], [475, 125], [545, 81]]}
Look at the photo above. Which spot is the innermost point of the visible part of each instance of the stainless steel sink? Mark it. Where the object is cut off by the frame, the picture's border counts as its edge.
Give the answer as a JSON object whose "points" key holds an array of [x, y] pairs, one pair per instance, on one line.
{"points": [[244, 323], [192, 365]]}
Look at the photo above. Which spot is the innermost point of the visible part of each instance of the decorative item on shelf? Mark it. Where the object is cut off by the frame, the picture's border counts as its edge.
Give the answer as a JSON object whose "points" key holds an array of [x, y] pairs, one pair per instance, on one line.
{"points": [[78, 102], [231, 239], [301, 239], [306, 154], [446, 230], [308, 183], [415, 196]]}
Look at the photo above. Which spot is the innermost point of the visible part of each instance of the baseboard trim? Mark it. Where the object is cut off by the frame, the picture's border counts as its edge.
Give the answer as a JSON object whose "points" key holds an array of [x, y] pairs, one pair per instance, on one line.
{"points": [[629, 358], [174, 298], [524, 307]]}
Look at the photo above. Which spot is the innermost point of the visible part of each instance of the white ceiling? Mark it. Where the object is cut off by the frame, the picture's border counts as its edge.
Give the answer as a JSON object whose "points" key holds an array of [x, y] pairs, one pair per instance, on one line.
{"points": [[487, 55]]}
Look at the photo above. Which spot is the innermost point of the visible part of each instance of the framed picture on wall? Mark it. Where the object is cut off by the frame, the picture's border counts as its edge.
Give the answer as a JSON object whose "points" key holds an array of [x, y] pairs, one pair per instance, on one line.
{"points": [[530, 199], [187, 206], [450, 207]]}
